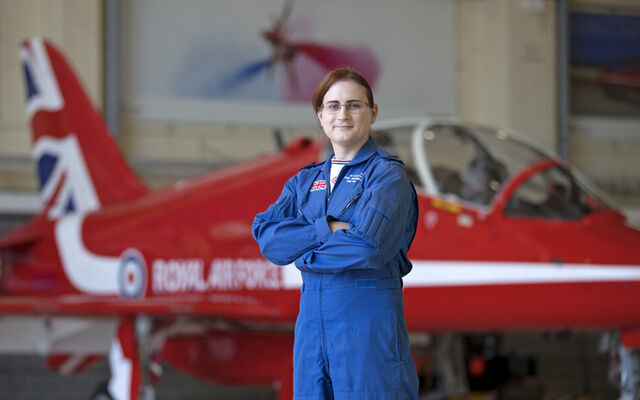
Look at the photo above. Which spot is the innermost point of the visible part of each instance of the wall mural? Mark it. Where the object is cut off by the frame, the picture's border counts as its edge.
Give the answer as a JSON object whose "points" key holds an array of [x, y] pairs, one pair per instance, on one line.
{"points": [[303, 62], [242, 60]]}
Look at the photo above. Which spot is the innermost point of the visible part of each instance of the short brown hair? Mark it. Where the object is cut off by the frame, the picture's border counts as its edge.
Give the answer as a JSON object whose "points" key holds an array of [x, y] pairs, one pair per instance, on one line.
{"points": [[337, 75]]}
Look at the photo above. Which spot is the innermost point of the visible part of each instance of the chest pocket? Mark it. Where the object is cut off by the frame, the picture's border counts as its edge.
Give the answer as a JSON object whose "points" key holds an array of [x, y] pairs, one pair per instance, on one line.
{"points": [[312, 197], [346, 202]]}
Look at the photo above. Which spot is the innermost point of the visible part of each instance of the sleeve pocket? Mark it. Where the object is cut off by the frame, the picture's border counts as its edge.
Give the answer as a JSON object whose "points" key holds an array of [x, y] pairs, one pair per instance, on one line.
{"points": [[280, 209], [376, 214]]}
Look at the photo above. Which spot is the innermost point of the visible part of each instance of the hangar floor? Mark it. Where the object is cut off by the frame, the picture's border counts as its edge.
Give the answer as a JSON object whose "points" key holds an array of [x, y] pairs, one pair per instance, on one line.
{"points": [[28, 378], [569, 367]]}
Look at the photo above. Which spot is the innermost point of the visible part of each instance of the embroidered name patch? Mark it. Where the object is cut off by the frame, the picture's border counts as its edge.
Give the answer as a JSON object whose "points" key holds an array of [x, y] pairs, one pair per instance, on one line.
{"points": [[319, 185], [353, 178]]}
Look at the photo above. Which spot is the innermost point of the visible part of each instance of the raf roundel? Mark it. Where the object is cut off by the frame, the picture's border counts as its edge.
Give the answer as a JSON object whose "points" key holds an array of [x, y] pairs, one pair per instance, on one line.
{"points": [[132, 274]]}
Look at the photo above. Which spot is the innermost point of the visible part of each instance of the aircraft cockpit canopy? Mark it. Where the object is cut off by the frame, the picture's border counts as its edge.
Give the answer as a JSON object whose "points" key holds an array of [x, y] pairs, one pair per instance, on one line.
{"points": [[472, 165]]}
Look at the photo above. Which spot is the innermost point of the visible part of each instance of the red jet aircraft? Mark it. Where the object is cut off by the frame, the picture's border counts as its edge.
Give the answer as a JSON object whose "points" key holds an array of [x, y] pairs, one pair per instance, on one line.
{"points": [[509, 238]]}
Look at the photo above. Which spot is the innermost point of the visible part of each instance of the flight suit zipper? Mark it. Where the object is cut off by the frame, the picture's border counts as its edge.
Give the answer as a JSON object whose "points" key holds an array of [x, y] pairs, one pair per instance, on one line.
{"points": [[324, 175], [340, 174], [347, 206]]}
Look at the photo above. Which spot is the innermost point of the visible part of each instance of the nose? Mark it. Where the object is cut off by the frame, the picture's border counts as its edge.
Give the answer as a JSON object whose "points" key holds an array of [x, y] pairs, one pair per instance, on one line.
{"points": [[343, 113]]}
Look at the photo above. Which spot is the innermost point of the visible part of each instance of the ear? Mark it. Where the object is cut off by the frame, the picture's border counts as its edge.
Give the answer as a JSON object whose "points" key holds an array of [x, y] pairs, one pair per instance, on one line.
{"points": [[319, 114], [374, 113]]}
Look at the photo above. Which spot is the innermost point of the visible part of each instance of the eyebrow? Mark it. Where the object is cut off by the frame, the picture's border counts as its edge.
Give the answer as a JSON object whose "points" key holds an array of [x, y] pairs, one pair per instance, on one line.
{"points": [[348, 101]]}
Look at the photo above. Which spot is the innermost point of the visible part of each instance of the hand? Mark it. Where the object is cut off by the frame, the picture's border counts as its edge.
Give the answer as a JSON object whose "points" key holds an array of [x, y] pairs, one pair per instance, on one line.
{"points": [[337, 225]]}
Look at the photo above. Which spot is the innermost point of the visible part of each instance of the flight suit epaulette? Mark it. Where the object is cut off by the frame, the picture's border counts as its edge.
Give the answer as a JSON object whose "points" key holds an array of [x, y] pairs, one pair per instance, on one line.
{"points": [[313, 164], [392, 158]]}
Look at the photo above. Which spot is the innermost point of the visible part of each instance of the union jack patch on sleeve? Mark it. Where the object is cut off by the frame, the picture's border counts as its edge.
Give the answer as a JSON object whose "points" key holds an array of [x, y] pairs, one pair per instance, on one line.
{"points": [[319, 185]]}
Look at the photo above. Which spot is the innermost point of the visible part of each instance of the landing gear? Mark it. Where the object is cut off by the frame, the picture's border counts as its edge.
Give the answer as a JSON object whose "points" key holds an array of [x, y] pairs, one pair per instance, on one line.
{"points": [[629, 373], [624, 370], [440, 366], [143, 327], [129, 360]]}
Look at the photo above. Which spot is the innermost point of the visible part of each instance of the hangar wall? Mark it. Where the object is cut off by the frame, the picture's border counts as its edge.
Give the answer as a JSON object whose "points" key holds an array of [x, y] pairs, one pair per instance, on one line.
{"points": [[605, 143], [505, 75], [506, 66], [76, 25]]}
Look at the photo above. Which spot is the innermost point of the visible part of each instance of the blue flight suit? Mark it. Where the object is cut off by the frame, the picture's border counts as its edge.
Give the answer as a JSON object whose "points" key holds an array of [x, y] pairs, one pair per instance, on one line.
{"points": [[351, 340]]}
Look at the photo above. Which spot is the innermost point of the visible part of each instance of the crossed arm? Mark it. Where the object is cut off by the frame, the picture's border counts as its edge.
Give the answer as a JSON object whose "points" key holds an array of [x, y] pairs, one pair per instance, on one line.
{"points": [[285, 235]]}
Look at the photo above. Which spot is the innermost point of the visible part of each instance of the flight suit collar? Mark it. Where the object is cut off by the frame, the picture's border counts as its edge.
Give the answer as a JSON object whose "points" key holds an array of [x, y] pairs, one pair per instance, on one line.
{"points": [[364, 153]]}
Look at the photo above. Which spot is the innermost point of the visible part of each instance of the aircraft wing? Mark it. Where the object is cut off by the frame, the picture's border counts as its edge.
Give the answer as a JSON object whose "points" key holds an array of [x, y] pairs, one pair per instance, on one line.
{"points": [[89, 306]]}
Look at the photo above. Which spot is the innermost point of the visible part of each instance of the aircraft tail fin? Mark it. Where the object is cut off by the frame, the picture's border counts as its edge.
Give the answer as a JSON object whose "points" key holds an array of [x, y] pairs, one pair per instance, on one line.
{"points": [[79, 165]]}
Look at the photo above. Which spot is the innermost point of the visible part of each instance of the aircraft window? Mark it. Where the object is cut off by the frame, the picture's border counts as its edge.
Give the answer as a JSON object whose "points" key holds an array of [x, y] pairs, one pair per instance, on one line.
{"points": [[552, 194], [514, 154], [397, 141], [461, 165]]}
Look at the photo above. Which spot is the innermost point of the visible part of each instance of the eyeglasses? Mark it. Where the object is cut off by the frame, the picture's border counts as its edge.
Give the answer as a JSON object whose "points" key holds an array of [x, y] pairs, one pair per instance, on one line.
{"points": [[353, 107]]}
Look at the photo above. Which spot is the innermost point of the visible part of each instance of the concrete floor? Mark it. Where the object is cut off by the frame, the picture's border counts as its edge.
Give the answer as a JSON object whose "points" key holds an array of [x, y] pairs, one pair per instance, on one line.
{"points": [[28, 378], [569, 366]]}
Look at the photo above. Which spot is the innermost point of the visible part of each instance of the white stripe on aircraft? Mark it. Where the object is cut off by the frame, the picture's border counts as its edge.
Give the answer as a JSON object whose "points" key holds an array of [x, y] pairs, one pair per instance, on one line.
{"points": [[88, 272], [48, 96], [474, 273], [461, 273]]}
